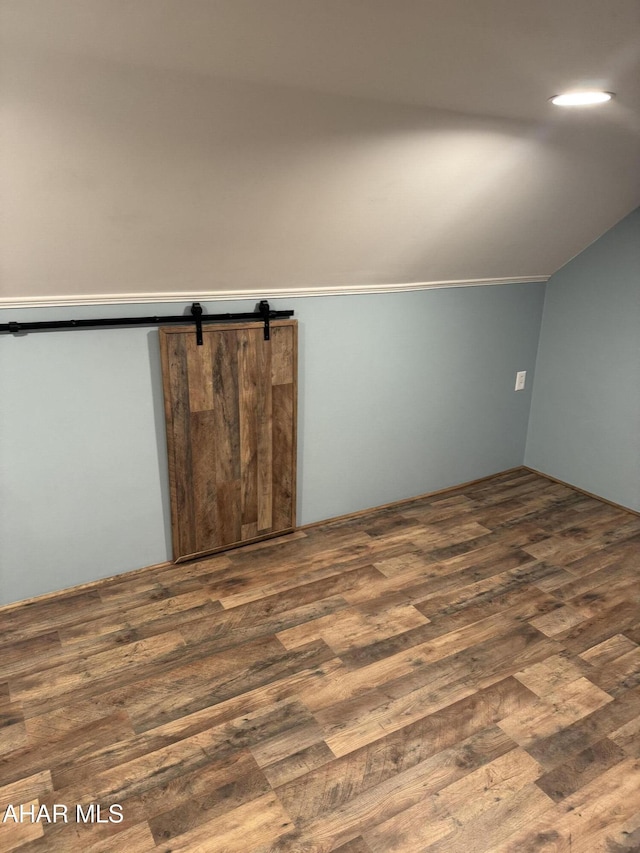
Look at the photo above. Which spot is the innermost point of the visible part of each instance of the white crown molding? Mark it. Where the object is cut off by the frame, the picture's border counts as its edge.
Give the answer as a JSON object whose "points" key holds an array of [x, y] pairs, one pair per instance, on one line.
{"points": [[273, 293]]}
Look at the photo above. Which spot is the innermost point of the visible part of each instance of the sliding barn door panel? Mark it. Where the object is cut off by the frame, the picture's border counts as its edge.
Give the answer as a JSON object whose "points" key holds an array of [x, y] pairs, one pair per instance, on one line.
{"points": [[230, 408]]}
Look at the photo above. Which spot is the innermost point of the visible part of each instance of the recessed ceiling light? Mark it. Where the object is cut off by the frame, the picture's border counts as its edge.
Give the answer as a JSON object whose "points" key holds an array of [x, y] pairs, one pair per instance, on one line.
{"points": [[581, 99]]}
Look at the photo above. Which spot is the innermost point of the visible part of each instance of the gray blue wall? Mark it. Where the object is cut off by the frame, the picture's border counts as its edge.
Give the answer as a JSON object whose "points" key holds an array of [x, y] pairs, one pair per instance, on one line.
{"points": [[585, 415], [399, 394]]}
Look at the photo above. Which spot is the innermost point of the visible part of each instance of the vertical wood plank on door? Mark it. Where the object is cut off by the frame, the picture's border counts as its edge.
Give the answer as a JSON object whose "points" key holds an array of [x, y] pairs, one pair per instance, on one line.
{"points": [[264, 412], [226, 433], [284, 371], [283, 452], [248, 432], [200, 369], [200, 374], [203, 480], [178, 419], [283, 359], [231, 433]]}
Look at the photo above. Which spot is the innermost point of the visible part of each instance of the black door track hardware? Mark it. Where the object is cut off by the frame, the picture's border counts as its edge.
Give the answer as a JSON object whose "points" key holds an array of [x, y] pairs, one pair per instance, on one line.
{"points": [[197, 316]]}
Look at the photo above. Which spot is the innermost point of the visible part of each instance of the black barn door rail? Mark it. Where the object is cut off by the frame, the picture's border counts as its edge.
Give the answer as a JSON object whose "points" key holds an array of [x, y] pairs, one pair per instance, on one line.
{"points": [[263, 313]]}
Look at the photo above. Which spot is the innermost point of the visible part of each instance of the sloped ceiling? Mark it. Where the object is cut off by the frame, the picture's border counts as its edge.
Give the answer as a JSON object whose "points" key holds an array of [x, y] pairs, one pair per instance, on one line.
{"points": [[173, 148]]}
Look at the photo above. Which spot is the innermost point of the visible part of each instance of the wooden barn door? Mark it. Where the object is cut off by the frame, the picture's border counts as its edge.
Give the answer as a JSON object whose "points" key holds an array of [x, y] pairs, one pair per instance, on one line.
{"points": [[230, 409]]}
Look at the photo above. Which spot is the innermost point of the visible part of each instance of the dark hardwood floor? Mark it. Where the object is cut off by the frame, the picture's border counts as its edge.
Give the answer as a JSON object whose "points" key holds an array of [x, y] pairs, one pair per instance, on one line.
{"points": [[460, 673]]}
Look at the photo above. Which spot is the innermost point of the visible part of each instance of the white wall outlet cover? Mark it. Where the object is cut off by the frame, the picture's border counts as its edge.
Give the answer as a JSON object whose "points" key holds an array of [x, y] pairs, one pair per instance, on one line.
{"points": [[521, 376]]}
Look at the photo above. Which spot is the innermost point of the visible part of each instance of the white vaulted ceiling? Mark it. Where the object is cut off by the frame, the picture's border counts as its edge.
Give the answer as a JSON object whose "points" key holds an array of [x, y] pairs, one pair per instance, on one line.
{"points": [[168, 148]]}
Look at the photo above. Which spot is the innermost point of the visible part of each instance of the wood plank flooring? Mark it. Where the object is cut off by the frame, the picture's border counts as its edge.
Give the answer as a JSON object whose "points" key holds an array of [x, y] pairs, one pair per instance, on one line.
{"points": [[458, 674]]}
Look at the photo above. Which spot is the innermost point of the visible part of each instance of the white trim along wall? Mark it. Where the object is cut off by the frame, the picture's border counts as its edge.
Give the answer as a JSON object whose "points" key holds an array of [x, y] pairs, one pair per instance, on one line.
{"points": [[226, 295]]}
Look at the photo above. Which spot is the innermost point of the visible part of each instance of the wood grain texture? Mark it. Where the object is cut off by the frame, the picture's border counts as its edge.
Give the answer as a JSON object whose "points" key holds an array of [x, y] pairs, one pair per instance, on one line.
{"points": [[175, 371], [459, 673], [230, 409]]}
